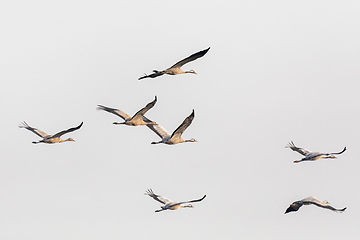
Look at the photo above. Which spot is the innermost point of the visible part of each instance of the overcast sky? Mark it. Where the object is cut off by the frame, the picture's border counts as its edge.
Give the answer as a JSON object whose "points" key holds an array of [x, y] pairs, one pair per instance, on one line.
{"points": [[277, 71]]}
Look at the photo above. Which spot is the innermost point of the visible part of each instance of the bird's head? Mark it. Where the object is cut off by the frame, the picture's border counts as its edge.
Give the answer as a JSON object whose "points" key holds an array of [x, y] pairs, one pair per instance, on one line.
{"points": [[192, 140], [191, 71], [189, 206], [330, 156], [70, 139]]}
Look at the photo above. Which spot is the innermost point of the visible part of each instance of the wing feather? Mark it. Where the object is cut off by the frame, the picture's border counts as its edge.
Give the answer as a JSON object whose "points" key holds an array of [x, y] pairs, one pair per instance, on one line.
{"points": [[317, 202], [34, 130], [340, 152], [185, 124], [178, 203], [142, 111], [197, 200], [190, 58], [59, 134], [159, 130], [158, 198], [115, 111], [302, 151]]}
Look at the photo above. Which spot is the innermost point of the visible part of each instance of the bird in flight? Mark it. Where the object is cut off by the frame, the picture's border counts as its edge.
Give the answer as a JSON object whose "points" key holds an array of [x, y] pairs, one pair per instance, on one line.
{"points": [[165, 136], [135, 120], [168, 204], [311, 156], [175, 137], [47, 138], [311, 200], [176, 68]]}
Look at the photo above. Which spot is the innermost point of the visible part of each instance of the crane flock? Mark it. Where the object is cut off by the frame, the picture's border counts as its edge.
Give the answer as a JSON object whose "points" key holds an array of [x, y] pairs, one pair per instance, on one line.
{"points": [[139, 118]]}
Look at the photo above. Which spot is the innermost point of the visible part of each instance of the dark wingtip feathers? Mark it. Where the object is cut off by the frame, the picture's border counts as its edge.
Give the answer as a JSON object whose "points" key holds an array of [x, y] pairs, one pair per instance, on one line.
{"points": [[203, 52], [100, 107]]}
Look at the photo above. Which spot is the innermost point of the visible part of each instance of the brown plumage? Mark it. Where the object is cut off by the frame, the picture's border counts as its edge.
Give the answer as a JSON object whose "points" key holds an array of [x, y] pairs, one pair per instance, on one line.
{"points": [[312, 200], [47, 138], [166, 137], [135, 120], [311, 156], [176, 135], [176, 68], [168, 204]]}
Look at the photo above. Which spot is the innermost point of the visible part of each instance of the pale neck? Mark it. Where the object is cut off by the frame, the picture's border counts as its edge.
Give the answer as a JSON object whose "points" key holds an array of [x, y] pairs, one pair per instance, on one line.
{"points": [[184, 206]]}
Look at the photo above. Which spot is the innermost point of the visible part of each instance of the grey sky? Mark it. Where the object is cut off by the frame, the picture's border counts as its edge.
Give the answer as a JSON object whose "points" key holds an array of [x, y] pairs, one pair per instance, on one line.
{"points": [[277, 71]]}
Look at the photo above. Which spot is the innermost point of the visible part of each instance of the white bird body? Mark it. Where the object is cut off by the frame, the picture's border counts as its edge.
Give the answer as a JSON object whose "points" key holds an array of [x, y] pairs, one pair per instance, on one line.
{"points": [[311, 156], [312, 200], [176, 68], [169, 204], [48, 138]]}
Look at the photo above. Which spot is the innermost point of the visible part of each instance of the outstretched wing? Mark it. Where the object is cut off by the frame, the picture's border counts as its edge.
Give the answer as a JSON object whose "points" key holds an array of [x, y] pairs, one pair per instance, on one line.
{"points": [[59, 134], [310, 200], [331, 208], [190, 58], [341, 151], [142, 111], [322, 204], [159, 130], [299, 150], [117, 112], [197, 200], [178, 203], [185, 124], [158, 198], [153, 75], [294, 207], [34, 130]]}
